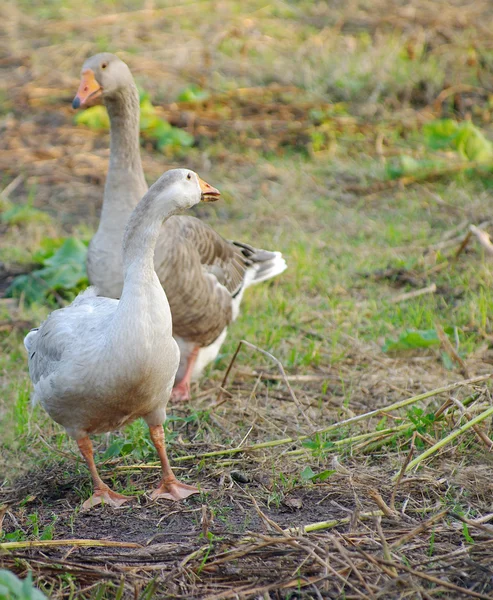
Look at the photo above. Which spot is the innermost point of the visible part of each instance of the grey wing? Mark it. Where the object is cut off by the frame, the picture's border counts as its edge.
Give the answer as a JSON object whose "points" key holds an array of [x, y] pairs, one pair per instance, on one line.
{"points": [[202, 275], [63, 332], [200, 272]]}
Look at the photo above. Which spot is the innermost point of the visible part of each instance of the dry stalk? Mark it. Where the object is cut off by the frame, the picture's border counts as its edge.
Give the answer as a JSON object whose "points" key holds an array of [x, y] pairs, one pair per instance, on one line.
{"points": [[329, 567], [402, 471], [3, 512], [339, 424], [479, 433], [382, 505], [345, 554], [75, 542], [385, 545], [450, 350], [418, 530], [436, 580], [463, 246], [431, 289], [279, 366], [483, 238], [473, 523]]}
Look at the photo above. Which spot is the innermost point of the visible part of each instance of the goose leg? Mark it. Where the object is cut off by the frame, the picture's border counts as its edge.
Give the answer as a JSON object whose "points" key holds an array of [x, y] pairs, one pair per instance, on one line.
{"points": [[102, 493], [181, 391], [170, 487]]}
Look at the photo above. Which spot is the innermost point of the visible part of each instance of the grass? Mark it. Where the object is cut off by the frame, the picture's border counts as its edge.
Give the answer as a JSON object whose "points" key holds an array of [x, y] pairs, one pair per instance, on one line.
{"points": [[309, 111]]}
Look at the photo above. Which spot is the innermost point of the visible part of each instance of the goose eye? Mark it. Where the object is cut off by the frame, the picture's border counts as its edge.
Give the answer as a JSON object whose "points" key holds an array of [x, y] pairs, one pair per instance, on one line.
{"points": [[104, 65], [189, 176]]}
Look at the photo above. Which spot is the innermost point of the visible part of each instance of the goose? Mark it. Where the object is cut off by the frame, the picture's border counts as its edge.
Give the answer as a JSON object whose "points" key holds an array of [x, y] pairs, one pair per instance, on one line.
{"points": [[204, 275], [101, 363]]}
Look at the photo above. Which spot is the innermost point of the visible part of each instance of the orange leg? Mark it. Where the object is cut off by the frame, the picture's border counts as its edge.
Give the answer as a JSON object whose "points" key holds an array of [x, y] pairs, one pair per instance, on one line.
{"points": [[170, 487], [181, 391], [102, 493]]}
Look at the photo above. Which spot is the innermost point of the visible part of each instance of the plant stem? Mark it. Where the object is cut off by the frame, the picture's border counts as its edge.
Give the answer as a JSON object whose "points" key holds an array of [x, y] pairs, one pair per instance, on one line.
{"points": [[350, 421], [332, 523], [55, 543], [451, 436]]}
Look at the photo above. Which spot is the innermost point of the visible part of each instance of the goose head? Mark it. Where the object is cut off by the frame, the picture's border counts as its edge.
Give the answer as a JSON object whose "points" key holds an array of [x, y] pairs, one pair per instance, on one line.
{"points": [[102, 75], [180, 189]]}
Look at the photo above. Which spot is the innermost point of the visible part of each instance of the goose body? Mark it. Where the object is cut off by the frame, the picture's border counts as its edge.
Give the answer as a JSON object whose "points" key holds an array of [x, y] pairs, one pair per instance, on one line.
{"points": [[101, 363], [203, 274]]}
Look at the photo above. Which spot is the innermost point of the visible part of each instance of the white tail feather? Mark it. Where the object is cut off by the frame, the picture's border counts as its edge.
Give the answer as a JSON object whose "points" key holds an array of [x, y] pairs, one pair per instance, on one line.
{"points": [[267, 269]]}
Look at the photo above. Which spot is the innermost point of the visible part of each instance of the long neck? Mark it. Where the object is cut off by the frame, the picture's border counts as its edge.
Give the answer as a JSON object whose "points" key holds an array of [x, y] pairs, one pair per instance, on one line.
{"points": [[125, 183], [142, 322], [139, 240]]}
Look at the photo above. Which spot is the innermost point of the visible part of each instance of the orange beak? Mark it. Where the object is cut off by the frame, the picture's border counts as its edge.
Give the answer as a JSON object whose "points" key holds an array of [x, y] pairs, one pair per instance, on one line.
{"points": [[89, 90], [209, 193]]}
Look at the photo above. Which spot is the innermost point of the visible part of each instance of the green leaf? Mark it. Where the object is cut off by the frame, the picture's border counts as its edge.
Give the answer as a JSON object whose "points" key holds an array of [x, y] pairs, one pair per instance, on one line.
{"points": [[13, 588], [114, 449], [441, 133], [412, 339], [472, 144], [174, 139], [17, 214], [11, 583], [72, 252], [167, 137], [193, 93], [415, 339], [404, 165], [324, 475], [63, 271], [466, 534], [95, 117], [465, 138], [48, 247], [307, 474]]}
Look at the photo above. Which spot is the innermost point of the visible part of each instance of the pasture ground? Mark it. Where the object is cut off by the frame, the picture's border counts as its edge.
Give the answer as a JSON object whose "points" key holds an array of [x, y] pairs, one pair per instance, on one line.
{"points": [[310, 109]]}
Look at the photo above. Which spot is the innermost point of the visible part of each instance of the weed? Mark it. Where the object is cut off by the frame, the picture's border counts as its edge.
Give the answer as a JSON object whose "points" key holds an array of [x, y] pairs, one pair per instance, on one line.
{"points": [[168, 139], [13, 588], [63, 272], [22, 214]]}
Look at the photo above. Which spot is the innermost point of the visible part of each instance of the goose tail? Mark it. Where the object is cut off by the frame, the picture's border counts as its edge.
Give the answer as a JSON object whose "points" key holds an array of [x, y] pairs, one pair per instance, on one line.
{"points": [[264, 263]]}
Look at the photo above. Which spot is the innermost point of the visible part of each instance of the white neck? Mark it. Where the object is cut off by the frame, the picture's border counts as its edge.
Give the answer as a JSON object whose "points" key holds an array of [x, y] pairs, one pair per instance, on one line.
{"points": [[144, 226], [143, 310]]}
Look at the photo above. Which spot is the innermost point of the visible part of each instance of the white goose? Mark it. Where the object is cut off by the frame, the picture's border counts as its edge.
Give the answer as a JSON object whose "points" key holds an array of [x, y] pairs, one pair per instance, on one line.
{"points": [[101, 363], [203, 274]]}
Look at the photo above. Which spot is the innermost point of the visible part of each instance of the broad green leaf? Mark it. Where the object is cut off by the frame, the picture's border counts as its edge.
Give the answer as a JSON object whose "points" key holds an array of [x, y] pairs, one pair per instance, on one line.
{"points": [[48, 247], [471, 144], [465, 138], [405, 165], [63, 271], [324, 475], [72, 251], [151, 125], [414, 339], [193, 93], [95, 117], [11, 583], [307, 474], [175, 139], [441, 133]]}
